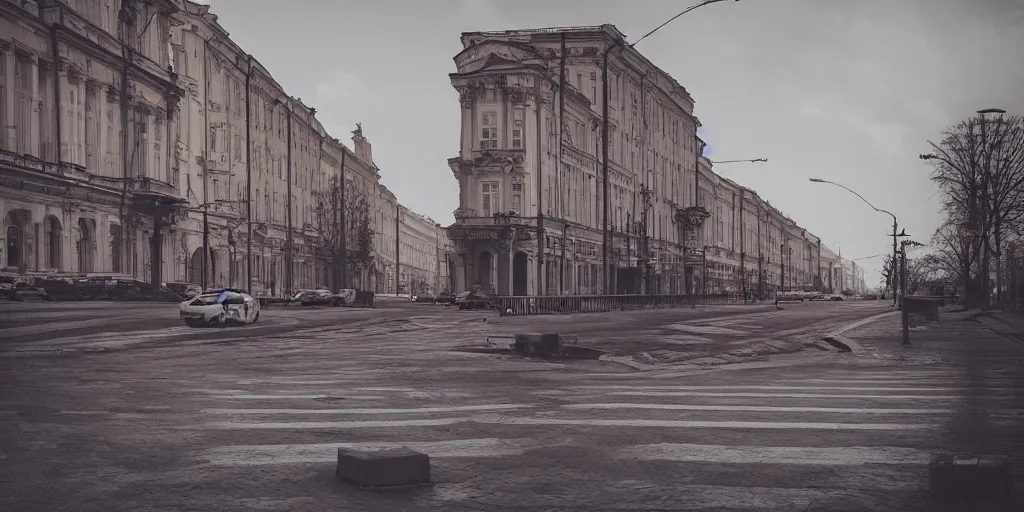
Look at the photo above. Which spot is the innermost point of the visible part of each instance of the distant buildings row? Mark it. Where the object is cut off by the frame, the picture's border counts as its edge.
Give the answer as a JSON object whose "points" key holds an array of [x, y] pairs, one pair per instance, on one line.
{"points": [[113, 148], [533, 159]]}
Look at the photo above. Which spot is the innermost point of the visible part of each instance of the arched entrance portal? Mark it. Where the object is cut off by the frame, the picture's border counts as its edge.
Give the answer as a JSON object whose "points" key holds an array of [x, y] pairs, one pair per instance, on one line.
{"points": [[86, 244], [54, 233], [196, 271], [520, 272], [14, 230], [485, 266]]}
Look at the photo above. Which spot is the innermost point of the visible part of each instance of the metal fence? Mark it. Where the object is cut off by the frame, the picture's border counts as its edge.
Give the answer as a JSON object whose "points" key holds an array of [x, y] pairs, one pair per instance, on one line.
{"points": [[548, 305]]}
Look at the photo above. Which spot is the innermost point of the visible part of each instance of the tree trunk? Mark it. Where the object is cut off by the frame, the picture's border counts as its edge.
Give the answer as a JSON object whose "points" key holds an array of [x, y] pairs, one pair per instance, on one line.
{"points": [[999, 263]]}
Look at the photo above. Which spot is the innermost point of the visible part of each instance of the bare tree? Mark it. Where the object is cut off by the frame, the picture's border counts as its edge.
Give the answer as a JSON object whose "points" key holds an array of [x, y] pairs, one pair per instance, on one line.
{"points": [[957, 254], [344, 234], [888, 274], [359, 231], [979, 167]]}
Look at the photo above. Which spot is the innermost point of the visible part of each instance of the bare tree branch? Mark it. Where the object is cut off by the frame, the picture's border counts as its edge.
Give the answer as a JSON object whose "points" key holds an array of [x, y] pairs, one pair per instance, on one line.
{"points": [[333, 205]]}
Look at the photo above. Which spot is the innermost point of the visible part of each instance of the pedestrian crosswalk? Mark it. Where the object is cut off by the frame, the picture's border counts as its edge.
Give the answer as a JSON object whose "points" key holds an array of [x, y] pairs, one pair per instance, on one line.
{"points": [[738, 443]]}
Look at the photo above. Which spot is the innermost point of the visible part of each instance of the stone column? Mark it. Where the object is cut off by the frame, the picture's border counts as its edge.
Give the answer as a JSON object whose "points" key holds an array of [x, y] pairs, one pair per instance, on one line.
{"points": [[103, 261]]}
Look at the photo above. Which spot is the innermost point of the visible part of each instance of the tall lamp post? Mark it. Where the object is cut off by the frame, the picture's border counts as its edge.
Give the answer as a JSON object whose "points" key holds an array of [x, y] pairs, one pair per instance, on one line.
{"points": [[647, 202], [743, 246], [904, 314], [606, 140], [895, 225]]}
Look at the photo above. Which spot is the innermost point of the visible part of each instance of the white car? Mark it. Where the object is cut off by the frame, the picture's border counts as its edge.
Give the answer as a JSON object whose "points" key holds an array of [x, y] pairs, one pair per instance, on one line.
{"points": [[220, 307]]}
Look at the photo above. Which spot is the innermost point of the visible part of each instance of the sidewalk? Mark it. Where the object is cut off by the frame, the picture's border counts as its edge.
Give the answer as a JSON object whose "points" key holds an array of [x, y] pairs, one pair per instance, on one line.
{"points": [[1010, 325], [983, 364]]}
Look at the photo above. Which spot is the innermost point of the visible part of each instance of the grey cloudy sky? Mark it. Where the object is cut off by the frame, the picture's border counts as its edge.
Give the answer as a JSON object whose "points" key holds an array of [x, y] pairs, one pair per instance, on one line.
{"points": [[839, 89]]}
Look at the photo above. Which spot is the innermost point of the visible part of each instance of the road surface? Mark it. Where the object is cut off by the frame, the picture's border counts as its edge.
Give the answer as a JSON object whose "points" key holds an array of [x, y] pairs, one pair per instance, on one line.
{"points": [[106, 419]]}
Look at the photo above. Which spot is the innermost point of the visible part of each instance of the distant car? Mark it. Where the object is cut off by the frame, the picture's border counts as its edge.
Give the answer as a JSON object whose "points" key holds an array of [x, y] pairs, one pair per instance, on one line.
{"points": [[445, 298], [791, 295], [835, 297], [219, 308], [323, 297]]}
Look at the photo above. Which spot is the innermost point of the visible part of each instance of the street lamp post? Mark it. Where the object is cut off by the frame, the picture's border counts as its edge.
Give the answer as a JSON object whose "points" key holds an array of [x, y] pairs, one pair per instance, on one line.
{"points": [[895, 225], [647, 201], [606, 140], [742, 206], [904, 314]]}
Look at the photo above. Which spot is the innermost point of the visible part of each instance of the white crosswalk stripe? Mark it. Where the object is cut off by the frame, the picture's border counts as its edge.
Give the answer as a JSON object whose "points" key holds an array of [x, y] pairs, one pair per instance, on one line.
{"points": [[860, 420]]}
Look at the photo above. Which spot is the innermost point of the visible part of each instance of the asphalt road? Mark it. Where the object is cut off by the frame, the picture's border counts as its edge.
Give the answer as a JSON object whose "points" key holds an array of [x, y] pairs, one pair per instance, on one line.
{"points": [[128, 414]]}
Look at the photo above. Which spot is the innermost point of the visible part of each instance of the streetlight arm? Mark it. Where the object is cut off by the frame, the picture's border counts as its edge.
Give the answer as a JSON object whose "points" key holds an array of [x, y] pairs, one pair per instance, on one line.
{"points": [[670, 20], [753, 161], [873, 207]]}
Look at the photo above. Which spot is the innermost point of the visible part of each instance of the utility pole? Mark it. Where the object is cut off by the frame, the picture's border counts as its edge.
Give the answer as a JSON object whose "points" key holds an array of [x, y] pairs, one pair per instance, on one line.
{"points": [[289, 254], [398, 245], [782, 267], [561, 266], [760, 256], [206, 246], [343, 222], [248, 177]]}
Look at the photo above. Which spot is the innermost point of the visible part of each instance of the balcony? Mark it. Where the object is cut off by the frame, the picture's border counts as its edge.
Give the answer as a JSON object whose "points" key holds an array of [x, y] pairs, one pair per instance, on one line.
{"points": [[489, 160], [468, 226], [146, 186]]}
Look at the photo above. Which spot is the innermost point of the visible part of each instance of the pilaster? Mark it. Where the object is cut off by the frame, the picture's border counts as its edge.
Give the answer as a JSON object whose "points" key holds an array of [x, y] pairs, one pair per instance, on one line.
{"points": [[35, 110], [61, 76], [8, 131]]}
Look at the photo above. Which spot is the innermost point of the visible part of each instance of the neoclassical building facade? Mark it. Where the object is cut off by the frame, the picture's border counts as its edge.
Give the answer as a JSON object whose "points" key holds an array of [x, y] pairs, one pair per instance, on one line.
{"points": [[88, 166], [137, 133], [533, 163]]}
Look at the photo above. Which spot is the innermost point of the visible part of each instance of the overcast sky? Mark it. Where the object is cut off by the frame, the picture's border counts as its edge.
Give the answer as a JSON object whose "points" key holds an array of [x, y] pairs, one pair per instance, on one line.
{"points": [[843, 90]]}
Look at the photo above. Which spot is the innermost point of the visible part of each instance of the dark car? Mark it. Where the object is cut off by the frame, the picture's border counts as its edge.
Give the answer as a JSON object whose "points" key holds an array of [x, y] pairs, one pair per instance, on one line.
{"points": [[445, 297], [475, 300], [318, 298], [21, 291]]}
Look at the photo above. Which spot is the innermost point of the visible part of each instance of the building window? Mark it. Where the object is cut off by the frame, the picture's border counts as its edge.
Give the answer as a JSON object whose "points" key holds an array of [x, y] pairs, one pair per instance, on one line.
{"points": [[489, 133], [489, 199], [517, 198], [517, 129]]}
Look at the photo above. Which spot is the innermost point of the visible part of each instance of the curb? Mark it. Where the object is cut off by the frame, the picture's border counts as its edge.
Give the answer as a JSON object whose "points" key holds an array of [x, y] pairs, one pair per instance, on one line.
{"points": [[847, 345], [1000, 328]]}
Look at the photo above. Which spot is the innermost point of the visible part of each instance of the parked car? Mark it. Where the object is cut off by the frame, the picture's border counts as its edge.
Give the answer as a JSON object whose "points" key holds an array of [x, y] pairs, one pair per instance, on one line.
{"points": [[21, 291], [790, 295], [323, 297], [219, 308], [474, 300], [445, 297]]}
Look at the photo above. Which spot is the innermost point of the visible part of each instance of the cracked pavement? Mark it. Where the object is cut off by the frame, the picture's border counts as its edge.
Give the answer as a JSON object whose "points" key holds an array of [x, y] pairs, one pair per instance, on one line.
{"points": [[117, 407]]}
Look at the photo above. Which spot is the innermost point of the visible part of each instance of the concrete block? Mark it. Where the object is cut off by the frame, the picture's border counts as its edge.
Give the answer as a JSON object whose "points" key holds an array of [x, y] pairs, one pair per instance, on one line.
{"points": [[387, 468], [970, 477], [544, 345]]}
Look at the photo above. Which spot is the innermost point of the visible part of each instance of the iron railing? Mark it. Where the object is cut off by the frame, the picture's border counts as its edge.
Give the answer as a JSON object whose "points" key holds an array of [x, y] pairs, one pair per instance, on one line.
{"points": [[549, 305]]}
